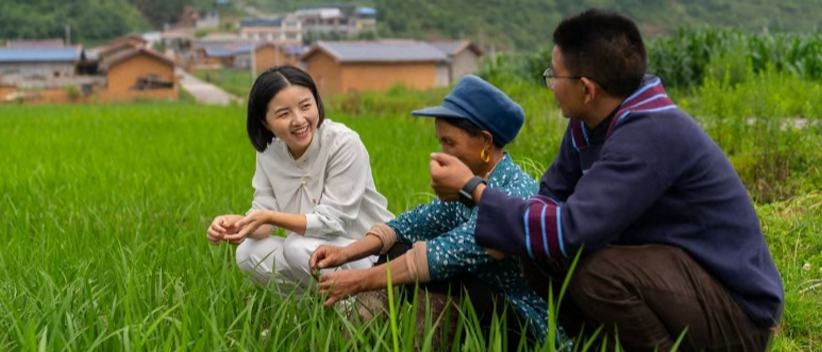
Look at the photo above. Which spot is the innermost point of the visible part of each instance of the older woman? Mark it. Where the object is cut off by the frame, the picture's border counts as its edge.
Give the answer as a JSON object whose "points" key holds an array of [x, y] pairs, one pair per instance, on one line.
{"points": [[474, 123]]}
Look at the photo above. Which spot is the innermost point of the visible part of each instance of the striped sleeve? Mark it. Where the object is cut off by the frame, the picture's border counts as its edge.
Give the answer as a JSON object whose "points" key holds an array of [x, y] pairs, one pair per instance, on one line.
{"points": [[629, 177], [527, 227], [542, 223]]}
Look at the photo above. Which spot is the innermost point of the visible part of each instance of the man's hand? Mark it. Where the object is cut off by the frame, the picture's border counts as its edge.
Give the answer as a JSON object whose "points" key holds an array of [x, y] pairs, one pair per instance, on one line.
{"points": [[448, 175]]}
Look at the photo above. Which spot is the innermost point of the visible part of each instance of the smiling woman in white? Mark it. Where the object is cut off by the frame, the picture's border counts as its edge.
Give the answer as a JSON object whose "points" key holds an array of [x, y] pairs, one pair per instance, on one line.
{"points": [[312, 179]]}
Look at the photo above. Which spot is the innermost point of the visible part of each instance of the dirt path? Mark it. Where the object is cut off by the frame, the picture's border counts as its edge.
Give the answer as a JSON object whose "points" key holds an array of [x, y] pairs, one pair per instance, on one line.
{"points": [[204, 92]]}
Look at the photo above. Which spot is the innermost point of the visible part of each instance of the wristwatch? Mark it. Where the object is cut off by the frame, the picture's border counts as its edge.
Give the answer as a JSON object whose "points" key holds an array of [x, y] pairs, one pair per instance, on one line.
{"points": [[467, 191]]}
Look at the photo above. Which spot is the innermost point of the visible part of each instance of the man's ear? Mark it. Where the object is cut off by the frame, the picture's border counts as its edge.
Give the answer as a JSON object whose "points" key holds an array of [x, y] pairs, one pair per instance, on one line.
{"points": [[592, 89]]}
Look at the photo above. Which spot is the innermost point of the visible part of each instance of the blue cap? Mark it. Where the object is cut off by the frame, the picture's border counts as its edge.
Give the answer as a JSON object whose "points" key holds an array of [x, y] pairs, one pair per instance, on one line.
{"points": [[484, 105]]}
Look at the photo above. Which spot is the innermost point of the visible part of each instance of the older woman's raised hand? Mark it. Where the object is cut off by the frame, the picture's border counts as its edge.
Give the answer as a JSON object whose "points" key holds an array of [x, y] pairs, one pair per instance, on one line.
{"points": [[448, 175]]}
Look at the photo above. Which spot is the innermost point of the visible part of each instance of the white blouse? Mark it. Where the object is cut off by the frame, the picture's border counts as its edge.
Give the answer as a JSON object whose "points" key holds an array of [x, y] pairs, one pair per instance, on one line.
{"points": [[330, 183]]}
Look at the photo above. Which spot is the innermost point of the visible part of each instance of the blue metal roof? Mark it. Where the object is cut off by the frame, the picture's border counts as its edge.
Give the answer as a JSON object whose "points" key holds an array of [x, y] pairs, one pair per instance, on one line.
{"points": [[261, 22], [381, 51], [227, 49], [42, 54], [366, 11], [296, 50]]}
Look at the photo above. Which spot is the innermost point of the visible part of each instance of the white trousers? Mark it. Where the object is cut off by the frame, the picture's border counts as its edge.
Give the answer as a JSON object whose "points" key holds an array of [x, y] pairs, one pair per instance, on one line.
{"points": [[283, 261]]}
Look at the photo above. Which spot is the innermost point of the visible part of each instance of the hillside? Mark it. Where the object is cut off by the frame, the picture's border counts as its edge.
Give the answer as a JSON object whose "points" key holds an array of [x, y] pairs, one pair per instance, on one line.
{"points": [[509, 24]]}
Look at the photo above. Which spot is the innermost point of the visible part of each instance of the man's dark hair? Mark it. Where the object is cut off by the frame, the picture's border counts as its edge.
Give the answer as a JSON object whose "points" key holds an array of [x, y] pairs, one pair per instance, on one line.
{"points": [[605, 47], [267, 85]]}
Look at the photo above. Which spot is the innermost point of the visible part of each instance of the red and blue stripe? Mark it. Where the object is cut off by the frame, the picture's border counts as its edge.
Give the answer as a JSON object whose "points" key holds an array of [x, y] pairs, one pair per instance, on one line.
{"points": [[650, 97], [543, 228]]}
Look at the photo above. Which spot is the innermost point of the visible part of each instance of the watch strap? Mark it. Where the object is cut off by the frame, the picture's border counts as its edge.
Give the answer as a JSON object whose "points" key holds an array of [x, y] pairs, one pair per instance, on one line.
{"points": [[467, 191]]}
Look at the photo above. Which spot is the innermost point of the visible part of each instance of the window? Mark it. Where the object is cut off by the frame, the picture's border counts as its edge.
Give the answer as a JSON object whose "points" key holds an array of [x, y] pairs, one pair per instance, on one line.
{"points": [[152, 81]]}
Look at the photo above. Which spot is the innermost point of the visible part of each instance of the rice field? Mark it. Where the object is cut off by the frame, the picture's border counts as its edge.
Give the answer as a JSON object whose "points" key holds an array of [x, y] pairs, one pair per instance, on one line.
{"points": [[103, 213]]}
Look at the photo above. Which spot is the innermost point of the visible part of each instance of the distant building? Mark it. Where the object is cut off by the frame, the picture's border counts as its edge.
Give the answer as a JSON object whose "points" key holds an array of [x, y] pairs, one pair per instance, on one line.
{"points": [[178, 45], [364, 19], [123, 70], [463, 57], [375, 65], [20, 64], [153, 38], [237, 55], [138, 73], [208, 19], [118, 45], [220, 37], [178, 40], [323, 20], [285, 31], [342, 21]]}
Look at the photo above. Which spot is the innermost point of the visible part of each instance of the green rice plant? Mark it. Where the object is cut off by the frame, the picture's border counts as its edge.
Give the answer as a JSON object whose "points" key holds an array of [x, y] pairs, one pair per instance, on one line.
{"points": [[104, 209]]}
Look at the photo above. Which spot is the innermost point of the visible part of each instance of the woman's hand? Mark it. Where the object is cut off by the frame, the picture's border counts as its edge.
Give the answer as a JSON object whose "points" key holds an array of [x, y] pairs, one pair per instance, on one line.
{"points": [[448, 175], [341, 284], [328, 256], [221, 226], [249, 224]]}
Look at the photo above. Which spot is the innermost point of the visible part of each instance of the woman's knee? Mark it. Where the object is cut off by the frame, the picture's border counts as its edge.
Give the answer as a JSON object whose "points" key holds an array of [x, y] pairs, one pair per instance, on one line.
{"points": [[244, 255], [297, 250], [251, 254]]}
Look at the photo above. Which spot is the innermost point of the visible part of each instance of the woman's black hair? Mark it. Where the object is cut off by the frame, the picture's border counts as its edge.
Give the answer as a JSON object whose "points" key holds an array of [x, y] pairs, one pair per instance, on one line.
{"points": [[265, 87], [469, 127]]}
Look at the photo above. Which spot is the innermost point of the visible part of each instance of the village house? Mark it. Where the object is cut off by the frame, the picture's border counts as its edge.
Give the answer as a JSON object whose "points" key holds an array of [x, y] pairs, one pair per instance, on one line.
{"points": [[341, 20], [137, 74], [123, 70], [178, 44], [463, 57], [282, 31], [21, 63], [42, 74], [375, 65], [237, 55]]}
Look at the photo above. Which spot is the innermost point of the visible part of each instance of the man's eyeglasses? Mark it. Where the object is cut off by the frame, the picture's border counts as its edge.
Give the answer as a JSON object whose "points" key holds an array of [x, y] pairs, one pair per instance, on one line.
{"points": [[549, 77]]}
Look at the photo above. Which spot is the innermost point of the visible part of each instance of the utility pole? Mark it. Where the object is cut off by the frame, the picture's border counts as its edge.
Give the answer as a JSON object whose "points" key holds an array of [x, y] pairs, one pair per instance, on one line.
{"points": [[67, 30]]}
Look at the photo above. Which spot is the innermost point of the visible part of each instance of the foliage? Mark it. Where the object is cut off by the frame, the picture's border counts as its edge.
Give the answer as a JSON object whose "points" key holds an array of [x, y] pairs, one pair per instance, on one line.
{"points": [[688, 57], [684, 59], [161, 12], [528, 24], [86, 19], [522, 25]]}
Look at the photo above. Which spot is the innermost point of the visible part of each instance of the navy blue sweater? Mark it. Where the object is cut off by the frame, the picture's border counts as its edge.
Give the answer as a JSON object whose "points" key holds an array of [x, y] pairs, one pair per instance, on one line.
{"points": [[648, 174]]}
